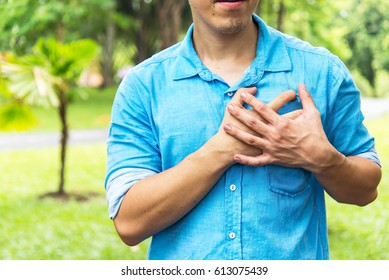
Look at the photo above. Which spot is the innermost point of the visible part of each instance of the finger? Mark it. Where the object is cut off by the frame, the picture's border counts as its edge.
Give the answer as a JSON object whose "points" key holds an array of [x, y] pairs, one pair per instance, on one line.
{"points": [[260, 160], [305, 97], [237, 97], [282, 99], [251, 120], [261, 108], [293, 115], [244, 136]]}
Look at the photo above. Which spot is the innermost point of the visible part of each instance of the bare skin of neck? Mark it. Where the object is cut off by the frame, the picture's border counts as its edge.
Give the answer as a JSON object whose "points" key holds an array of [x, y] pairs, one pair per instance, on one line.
{"points": [[227, 55]]}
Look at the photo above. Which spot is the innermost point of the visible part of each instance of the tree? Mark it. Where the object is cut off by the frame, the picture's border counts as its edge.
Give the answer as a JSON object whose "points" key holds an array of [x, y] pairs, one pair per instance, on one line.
{"points": [[169, 21], [316, 21], [153, 25], [23, 22], [119, 26], [368, 38], [49, 76]]}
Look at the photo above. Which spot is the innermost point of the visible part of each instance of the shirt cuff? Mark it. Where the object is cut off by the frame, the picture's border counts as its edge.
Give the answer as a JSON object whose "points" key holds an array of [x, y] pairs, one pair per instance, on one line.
{"points": [[371, 155], [118, 185]]}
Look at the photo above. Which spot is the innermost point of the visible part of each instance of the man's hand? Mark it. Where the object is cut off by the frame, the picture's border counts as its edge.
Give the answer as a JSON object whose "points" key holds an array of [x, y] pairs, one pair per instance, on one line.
{"points": [[231, 146], [299, 142]]}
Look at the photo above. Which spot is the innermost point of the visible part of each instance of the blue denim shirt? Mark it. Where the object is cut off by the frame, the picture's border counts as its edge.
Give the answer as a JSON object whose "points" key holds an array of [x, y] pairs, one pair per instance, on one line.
{"points": [[170, 105]]}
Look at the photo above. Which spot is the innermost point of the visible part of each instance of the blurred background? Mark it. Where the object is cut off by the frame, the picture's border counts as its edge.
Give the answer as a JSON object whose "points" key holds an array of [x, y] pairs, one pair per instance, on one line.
{"points": [[60, 64]]}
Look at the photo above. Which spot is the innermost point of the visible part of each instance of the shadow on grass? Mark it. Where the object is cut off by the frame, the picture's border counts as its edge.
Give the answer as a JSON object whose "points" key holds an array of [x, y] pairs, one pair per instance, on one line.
{"points": [[64, 197]]}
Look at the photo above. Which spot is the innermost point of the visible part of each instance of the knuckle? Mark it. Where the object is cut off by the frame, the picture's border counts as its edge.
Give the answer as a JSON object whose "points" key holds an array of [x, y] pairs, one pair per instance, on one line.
{"points": [[232, 131], [236, 112], [257, 162], [252, 122], [277, 138], [251, 140], [260, 108], [283, 124]]}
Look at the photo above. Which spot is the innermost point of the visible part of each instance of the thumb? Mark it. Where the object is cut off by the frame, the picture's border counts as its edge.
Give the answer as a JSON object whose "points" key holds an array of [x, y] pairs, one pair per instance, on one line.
{"points": [[305, 97]]}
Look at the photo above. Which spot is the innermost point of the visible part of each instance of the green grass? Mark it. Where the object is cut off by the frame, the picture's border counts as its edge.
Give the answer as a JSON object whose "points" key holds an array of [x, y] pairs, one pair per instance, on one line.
{"points": [[31, 228], [92, 111]]}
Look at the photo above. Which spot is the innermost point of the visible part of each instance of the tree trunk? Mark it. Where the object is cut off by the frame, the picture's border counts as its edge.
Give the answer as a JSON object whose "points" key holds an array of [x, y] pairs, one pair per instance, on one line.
{"points": [[60, 31], [62, 109], [142, 33], [169, 16], [108, 48], [280, 16]]}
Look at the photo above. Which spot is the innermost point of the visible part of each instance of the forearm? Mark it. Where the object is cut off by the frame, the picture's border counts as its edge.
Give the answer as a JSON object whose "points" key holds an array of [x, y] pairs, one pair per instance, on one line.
{"points": [[156, 202], [351, 180]]}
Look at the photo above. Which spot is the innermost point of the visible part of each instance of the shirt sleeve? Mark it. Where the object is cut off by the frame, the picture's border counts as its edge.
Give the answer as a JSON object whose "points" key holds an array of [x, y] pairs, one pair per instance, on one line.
{"points": [[119, 183], [344, 124], [372, 155], [132, 148]]}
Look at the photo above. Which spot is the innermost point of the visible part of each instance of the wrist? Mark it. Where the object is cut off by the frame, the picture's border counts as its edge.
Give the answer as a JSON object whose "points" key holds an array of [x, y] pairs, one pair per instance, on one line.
{"points": [[330, 163], [215, 151]]}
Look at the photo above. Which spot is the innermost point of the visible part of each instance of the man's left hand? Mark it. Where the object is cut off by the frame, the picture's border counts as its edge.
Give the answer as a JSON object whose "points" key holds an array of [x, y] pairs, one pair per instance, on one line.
{"points": [[299, 142]]}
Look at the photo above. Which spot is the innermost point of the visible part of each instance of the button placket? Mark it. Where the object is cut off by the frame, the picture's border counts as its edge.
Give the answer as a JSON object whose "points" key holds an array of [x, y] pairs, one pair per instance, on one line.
{"points": [[233, 202]]}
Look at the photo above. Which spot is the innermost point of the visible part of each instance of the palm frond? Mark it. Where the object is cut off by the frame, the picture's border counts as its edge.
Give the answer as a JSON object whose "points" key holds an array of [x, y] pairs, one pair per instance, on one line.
{"points": [[16, 116]]}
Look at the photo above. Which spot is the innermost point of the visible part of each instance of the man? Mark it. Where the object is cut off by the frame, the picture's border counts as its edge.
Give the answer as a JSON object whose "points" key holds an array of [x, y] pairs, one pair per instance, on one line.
{"points": [[211, 172]]}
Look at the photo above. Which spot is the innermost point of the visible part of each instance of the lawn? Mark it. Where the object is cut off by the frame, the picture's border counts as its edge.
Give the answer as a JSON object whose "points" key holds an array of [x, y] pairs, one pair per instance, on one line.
{"points": [[32, 228]]}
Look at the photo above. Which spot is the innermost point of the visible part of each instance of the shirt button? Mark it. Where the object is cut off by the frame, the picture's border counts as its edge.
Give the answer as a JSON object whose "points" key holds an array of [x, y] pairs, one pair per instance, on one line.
{"points": [[230, 93], [232, 187], [232, 235]]}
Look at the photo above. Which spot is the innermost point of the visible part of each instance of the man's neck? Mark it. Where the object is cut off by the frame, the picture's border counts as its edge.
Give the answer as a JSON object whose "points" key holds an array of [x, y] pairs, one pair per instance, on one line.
{"points": [[227, 55]]}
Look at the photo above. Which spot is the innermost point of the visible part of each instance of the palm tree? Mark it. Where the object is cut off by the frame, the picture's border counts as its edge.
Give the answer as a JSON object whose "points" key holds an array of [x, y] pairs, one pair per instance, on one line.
{"points": [[49, 76]]}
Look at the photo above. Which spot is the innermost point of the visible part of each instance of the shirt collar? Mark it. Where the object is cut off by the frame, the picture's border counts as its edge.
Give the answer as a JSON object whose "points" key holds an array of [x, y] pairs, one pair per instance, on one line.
{"points": [[188, 63], [272, 55]]}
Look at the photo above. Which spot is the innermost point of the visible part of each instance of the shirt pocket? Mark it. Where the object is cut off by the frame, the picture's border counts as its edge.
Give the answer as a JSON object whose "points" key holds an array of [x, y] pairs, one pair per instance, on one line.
{"points": [[287, 181]]}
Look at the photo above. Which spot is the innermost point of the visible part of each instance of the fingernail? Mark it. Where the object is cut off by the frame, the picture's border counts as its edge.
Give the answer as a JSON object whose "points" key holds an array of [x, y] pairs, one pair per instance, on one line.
{"points": [[227, 127], [243, 95], [231, 108], [303, 87], [237, 159]]}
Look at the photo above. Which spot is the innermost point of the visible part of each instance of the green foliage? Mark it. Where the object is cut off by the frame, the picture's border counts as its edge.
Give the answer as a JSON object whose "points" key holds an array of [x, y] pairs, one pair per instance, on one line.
{"points": [[29, 80], [51, 69], [16, 116], [316, 21], [66, 60], [23, 22], [357, 31], [368, 37]]}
